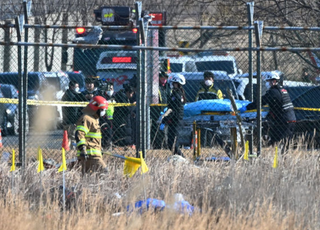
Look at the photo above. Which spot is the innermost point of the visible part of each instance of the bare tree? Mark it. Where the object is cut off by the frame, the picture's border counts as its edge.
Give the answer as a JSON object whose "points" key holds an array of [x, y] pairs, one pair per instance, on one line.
{"points": [[292, 13]]}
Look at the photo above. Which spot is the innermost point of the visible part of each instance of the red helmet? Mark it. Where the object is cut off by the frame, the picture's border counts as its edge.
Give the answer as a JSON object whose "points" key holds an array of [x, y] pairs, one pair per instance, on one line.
{"points": [[98, 102]]}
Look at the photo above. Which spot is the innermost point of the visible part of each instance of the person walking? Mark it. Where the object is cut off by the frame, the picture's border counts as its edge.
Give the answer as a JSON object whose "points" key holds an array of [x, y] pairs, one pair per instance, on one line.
{"points": [[71, 113], [124, 118], [281, 112], [88, 136], [159, 137], [208, 90], [174, 114]]}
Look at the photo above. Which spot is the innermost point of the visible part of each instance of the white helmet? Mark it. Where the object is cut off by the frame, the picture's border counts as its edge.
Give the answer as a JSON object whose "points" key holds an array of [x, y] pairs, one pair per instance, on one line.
{"points": [[273, 75], [179, 78]]}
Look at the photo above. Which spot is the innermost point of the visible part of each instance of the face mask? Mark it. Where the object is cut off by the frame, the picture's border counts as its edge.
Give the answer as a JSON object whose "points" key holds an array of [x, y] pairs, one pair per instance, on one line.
{"points": [[208, 82], [77, 90], [102, 113], [171, 85], [268, 85], [110, 93]]}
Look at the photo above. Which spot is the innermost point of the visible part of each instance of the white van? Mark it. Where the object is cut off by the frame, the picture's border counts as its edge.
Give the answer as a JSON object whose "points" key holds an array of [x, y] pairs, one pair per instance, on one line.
{"points": [[224, 63], [182, 64]]}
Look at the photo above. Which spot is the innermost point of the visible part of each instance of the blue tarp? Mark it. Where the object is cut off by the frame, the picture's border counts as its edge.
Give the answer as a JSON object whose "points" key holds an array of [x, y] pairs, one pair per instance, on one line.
{"points": [[183, 207], [215, 105], [218, 159]]}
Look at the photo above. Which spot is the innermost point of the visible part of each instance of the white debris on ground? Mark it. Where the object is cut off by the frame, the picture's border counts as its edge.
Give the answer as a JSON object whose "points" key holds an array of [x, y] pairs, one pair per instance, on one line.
{"points": [[177, 159]]}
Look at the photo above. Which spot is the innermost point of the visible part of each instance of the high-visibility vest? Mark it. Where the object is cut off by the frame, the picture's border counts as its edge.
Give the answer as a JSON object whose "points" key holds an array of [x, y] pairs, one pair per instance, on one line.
{"points": [[110, 110]]}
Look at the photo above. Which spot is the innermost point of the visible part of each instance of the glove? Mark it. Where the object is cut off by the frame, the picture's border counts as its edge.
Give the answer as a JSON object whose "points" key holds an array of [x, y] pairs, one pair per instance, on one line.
{"points": [[83, 152], [243, 109], [162, 127], [160, 119]]}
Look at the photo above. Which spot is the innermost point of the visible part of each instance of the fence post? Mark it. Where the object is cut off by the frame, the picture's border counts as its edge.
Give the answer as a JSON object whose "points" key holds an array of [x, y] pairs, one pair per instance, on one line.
{"points": [[143, 90], [7, 48], [22, 145], [138, 9], [36, 55], [250, 10], [64, 50], [26, 8], [258, 26]]}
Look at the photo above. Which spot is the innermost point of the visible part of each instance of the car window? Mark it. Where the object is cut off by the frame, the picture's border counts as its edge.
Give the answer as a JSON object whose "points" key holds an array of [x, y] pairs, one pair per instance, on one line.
{"points": [[226, 66], [6, 91], [78, 77], [176, 67], [190, 66], [14, 92], [304, 99], [33, 82]]}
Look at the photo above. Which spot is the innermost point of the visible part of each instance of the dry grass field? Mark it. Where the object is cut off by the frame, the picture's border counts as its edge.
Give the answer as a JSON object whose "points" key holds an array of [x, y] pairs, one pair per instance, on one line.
{"points": [[227, 195]]}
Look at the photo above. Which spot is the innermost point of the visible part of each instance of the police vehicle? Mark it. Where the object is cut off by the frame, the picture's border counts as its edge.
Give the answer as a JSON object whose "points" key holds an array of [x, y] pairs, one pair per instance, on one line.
{"points": [[115, 65]]}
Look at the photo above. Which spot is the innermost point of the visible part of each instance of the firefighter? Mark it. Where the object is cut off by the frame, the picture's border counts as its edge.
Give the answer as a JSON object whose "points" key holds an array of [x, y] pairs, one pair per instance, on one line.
{"points": [[174, 114], [208, 90], [88, 136], [281, 112]]}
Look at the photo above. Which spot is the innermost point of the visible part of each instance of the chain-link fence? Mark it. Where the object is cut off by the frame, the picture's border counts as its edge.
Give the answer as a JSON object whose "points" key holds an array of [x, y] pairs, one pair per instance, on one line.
{"points": [[66, 69]]}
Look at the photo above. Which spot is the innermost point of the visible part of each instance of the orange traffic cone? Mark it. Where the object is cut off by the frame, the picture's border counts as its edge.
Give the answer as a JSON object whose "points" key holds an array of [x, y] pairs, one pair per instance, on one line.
{"points": [[65, 141], [191, 145], [1, 145]]}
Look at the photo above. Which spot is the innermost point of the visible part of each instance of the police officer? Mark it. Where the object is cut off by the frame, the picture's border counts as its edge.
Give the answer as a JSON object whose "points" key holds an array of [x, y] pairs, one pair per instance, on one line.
{"points": [[123, 118], [88, 136], [158, 137], [107, 121], [281, 111], [174, 114], [71, 113], [208, 90]]}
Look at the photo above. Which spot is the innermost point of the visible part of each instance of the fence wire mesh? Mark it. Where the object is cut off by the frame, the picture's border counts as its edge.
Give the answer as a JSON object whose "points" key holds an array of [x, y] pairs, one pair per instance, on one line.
{"points": [[66, 77]]}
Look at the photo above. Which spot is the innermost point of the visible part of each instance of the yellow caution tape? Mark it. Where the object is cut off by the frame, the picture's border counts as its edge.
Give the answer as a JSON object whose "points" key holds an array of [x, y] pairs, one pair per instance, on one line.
{"points": [[307, 109], [84, 103], [158, 104], [58, 103]]}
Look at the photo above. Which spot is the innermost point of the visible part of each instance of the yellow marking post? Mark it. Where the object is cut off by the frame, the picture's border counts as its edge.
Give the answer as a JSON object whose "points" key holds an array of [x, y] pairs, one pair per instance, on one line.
{"points": [[275, 160], [246, 151]]}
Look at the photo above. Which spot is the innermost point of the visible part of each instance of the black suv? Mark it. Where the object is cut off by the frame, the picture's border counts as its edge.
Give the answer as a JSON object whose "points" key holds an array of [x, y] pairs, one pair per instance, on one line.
{"points": [[9, 115], [36, 84]]}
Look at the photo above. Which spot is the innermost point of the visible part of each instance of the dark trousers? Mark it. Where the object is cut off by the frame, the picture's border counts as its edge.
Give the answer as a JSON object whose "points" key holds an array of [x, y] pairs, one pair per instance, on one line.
{"points": [[281, 132], [173, 138]]}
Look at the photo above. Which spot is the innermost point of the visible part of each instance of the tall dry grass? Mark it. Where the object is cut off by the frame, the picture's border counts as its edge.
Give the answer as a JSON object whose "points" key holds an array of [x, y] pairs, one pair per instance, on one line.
{"points": [[242, 195]]}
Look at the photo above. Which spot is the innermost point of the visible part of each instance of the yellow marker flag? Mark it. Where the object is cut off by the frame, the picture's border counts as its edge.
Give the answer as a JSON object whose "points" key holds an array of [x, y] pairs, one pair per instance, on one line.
{"points": [[246, 151], [13, 164], [40, 159], [144, 167], [130, 167], [63, 166], [275, 160]]}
